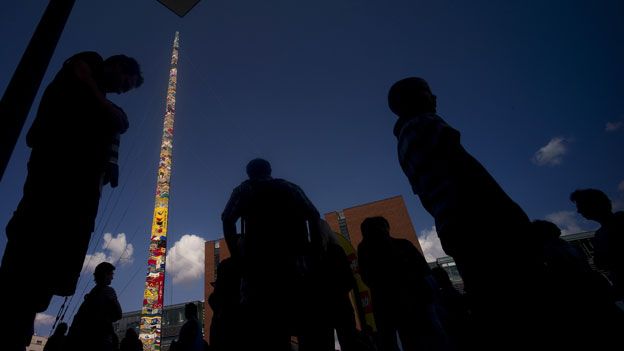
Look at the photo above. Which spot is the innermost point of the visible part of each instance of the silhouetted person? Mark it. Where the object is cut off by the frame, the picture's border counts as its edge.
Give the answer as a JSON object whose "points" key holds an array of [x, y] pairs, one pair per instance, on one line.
{"points": [[74, 140], [581, 302], [275, 251], [397, 275], [452, 309], [609, 238], [190, 338], [477, 223], [92, 327], [131, 341], [56, 342], [329, 306], [225, 303]]}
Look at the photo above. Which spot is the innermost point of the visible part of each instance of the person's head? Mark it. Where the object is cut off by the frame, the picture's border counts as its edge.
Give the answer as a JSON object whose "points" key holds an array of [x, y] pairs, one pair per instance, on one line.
{"points": [[190, 311], [258, 168], [410, 97], [61, 329], [375, 228], [545, 230], [121, 74], [131, 334], [592, 204], [104, 273]]}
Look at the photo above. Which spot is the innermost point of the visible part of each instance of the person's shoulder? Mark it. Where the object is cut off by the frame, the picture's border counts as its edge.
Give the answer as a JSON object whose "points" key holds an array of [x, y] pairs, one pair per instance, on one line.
{"points": [[88, 57], [403, 242]]}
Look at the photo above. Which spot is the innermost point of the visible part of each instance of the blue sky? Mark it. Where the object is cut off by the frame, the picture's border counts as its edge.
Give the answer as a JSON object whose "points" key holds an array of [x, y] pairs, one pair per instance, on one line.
{"points": [[535, 88]]}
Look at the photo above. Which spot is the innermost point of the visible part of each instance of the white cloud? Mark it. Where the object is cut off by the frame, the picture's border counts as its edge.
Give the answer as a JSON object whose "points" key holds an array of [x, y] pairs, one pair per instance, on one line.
{"points": [[613, 126], [552, 153], [430, 244], [42, 319], [114, 249], [567, 221], [185, 260], [621, 186]]}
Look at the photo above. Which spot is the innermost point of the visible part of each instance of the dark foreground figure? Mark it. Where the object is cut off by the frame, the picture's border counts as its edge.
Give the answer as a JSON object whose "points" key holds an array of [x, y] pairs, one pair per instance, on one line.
{"points": [[478, 224], [92, 327], [131, 341], [191, 337], [276, 251], [594, 205], [583, 315], [56, 342], [397, 275], [74, 141]]}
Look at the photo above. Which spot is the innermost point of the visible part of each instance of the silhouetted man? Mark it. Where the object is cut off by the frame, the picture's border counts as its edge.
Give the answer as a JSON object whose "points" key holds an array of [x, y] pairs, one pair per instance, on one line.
{"points": [[397, 275], [477, 223], [275, 251], [594, 205], [92, 327], [74, 141], [190, 338]]}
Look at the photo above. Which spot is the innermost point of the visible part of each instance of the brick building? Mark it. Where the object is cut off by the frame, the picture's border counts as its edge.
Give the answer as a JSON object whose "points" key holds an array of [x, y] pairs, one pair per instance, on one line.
{"points": [[347, 221], [215, 252]]}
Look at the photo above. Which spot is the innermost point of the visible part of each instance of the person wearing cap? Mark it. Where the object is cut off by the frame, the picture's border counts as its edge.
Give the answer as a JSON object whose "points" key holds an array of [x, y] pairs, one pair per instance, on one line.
{"points": [[92, 327]]}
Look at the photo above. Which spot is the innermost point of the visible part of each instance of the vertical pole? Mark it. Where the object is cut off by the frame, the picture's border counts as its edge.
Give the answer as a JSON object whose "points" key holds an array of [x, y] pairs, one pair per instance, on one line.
{"points": [[22, 89], [152, 311]]}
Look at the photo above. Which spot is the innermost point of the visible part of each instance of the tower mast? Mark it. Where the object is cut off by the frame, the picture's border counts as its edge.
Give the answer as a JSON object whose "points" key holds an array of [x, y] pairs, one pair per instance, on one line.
{"points": [[152, 311]]}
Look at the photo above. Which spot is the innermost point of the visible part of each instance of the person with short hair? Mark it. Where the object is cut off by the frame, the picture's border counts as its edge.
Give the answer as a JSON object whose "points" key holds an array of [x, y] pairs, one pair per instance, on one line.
{"points": [[478, 224], [92, 327], [74, 143], [277, 247], [399, 280], [595, 205], [190, 338]]}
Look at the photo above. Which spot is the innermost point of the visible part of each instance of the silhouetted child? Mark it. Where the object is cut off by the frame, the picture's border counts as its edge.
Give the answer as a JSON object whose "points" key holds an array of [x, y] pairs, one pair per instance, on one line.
{"points": [[56, 342], [397, 275], [92, 327], [131, 341]]}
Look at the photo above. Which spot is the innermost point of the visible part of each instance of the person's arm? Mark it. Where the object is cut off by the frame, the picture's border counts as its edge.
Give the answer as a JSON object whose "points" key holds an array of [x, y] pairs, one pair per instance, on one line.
{"points": [[229, 217]]}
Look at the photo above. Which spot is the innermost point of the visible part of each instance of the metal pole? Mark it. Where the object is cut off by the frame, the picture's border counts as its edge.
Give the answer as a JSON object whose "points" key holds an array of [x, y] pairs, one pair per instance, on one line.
{"points": [[22, 89]]}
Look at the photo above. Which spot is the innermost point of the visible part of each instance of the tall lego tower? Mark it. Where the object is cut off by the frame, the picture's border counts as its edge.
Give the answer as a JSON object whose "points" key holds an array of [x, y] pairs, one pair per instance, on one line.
{"points": [[151, 314]]}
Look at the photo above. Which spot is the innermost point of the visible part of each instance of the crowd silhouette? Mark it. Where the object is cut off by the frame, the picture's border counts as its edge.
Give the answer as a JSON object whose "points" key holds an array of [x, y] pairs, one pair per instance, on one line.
{"points": [[288, 280]]}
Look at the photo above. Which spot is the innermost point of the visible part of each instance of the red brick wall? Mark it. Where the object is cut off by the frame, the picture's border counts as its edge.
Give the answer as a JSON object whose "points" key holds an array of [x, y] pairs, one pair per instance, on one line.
{"points": [[209, 277], [393, 209]]}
